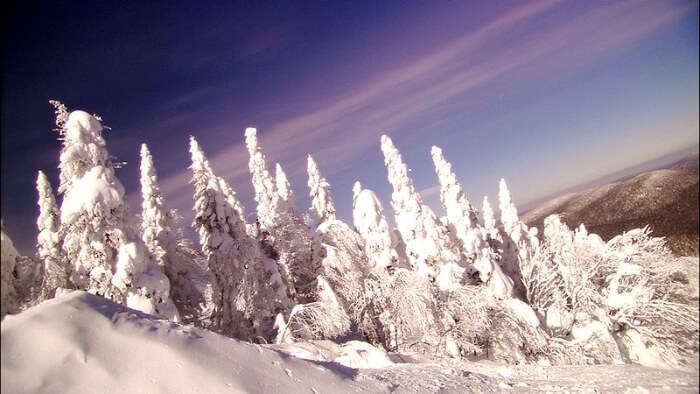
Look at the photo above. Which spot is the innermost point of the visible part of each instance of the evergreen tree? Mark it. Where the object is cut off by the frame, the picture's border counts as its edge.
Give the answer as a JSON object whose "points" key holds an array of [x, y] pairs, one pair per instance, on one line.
{"points": [[519, 241], [93, 213], [370, 223], [48, 241], [284, 234], [106, 256], [463, 222], [320, 191], [428, 245], [252, 289], [157, 231], [461, 216]]}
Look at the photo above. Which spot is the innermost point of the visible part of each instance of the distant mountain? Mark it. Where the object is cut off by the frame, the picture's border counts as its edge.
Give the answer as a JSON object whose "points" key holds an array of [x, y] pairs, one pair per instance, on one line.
{"points": [[690, 163], [666, 200]]}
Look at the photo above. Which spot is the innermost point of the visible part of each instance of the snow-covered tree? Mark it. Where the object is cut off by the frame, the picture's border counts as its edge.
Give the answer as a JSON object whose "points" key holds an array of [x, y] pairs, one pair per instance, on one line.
{"points": [[519, 241], [428, 245], [106, 256], [212, 221], [461, 216], [488, 220], [48, 241], [370, 223], [20, 276], [320, 191], [263, 183], [463, 222], [284, 190], [252, 290], [93, 213], [140, 269], [157, 231], [192, 288], [9, 302], [285, 236]]}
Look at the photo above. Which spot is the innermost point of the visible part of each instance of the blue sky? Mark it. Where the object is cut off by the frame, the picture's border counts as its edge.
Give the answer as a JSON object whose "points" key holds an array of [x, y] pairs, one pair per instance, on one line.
{"points": [[547, 94]]}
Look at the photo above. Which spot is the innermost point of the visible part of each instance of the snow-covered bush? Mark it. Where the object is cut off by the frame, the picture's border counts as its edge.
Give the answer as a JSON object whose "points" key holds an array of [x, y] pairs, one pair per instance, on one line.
{"points": [[466, 321], [322, 319], [623, 299], [647, 302], [407, 305]]}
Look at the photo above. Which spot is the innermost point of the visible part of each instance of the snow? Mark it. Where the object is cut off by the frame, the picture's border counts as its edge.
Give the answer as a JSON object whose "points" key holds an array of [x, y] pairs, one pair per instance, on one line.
{"points": [[83, 343], [8, 260], [370, 223], [522, 311], [96, 191]]}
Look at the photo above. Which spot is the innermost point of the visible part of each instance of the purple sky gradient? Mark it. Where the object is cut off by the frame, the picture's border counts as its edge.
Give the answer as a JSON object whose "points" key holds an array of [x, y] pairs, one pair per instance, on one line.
{"points": [[547, 94]]}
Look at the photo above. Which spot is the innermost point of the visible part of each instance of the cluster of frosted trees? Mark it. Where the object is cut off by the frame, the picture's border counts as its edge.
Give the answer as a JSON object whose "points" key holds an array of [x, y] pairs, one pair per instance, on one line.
{"points": [[466, 284]]}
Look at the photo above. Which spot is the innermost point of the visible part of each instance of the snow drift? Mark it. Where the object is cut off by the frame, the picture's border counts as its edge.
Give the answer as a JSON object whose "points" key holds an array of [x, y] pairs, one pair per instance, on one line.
{"points": [[79, 342], [83, 343]]}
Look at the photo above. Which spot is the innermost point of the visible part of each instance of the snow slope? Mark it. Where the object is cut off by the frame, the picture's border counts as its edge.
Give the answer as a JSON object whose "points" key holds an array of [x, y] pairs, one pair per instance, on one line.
{"points": [[82, 343]]}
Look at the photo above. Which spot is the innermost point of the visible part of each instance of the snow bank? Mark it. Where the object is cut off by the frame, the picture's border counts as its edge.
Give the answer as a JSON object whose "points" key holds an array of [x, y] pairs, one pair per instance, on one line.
{"points": [[83, 343]]}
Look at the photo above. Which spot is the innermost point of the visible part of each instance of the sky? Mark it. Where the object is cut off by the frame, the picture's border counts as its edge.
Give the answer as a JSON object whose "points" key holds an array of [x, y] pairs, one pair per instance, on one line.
{"points": [[546, 94]]}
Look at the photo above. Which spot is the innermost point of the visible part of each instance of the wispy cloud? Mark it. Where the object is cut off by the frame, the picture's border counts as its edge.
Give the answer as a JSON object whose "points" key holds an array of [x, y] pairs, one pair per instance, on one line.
{"points": [[337, 132]]}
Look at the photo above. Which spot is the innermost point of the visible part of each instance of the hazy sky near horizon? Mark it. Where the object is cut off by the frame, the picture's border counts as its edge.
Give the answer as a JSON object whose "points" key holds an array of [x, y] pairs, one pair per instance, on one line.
{"points": [[546, 94]]}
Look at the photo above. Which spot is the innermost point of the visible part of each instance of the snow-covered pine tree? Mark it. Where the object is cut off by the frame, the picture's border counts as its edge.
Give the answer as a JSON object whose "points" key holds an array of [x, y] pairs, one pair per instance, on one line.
{"points": [[107, 258], [489, 221], [428, 245], [283, 233], [320, 191], [93, 213], [192, 289], [157, 231], [462, 218], [284, 190], [212, 214], [252, 289], [141, 267], [370, 223], [48, 243], [463, 223], [519, 242]]}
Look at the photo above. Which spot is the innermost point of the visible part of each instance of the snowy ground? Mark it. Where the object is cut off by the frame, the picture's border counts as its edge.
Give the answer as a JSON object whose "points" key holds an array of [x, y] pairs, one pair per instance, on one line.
{"points": [[82, 343]]}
